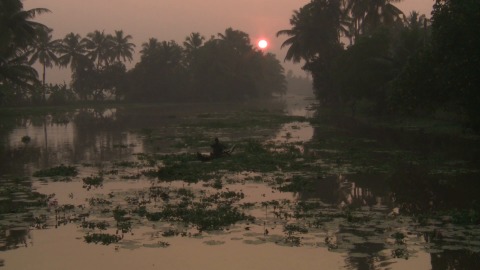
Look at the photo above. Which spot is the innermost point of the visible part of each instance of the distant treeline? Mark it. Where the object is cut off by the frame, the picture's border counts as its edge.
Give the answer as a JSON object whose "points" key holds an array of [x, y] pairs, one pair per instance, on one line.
{"points": [[370, 52], [299, 85], [223, 68]]}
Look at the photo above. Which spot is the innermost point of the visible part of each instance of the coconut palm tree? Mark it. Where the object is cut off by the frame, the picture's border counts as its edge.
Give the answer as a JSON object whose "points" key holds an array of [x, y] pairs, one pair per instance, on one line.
{"points": [[16, 26], [17, 31], [238, 40], [315, 30], [193, 42], [15, 70], [368, 15], [122, 48], [98, 45], [43, 50], [73, 51], [149, 47]]}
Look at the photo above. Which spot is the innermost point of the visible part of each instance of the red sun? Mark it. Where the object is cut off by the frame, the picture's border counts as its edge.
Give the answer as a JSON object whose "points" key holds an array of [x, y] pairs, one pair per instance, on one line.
{"points": [[262, 44]]}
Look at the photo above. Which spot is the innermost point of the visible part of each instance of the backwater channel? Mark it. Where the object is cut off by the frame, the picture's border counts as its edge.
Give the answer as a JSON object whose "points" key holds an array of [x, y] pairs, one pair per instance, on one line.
{"points": [[134, 203]]}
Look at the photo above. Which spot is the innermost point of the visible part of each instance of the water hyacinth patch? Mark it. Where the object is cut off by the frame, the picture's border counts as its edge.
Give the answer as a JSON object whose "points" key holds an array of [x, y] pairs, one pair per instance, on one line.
{"points": [[102, 238], [92, 182], [61, 170]]}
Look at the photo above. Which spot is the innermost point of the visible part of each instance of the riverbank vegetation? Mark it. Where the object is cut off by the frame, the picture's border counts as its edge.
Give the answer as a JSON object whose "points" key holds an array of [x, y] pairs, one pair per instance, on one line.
{"points": [[370, 55]]}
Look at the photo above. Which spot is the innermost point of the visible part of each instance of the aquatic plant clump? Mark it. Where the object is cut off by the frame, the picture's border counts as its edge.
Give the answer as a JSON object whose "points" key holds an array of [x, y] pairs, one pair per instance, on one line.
{"points": [[61, 170], [200, 215], [92, 181], [102, 238], [102, 225]]}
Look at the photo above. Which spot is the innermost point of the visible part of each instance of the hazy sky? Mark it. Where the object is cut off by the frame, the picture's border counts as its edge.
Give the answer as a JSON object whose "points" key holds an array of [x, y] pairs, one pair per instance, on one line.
{"points": [[174, 19]]}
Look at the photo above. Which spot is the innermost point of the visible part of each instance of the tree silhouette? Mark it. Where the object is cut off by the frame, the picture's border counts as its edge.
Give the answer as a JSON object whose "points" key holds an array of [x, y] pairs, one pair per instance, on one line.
{"points": [[17, 32], [193, 42], [368, 15], [43, 51], [150, 47], [122, 49], [99, 47], [73, 52], [315, 31]]}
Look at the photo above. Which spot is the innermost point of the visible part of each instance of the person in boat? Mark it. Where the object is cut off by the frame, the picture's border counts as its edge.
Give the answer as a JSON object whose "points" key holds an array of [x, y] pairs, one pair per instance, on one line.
{"points": [[218, 150]]}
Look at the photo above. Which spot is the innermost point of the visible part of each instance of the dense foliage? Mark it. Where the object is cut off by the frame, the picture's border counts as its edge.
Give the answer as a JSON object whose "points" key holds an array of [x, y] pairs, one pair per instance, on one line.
{"points": [[401, 65], [222, 68], [17, 33]]}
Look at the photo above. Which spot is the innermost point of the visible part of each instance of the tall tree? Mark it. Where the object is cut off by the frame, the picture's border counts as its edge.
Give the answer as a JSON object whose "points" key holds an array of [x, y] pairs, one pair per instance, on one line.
{"points": [[150, 47], [455, 46], [122, 49], [73, 51], [237, 40], [99, 46], [43, 51], [159, 74], [17, 31], [368, 15], [16, 71], [193, 42], [315, 30]]}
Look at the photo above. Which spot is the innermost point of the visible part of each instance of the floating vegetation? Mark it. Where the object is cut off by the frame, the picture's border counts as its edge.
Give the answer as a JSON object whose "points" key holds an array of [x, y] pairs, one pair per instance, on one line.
{"points": [[159, 244], [61, 170], [217, 184], [202, 215], [124, 226], [101, 225], [92, 182], [291, 229], [102, 238], [170, 233]]}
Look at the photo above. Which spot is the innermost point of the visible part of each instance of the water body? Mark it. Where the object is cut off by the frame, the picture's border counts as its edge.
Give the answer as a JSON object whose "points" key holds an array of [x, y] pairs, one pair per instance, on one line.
{"points": [[342, 221]]}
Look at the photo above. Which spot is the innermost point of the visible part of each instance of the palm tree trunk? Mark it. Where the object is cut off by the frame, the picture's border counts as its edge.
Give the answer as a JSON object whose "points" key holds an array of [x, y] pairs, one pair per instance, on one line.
{"points": [[44, 89]]}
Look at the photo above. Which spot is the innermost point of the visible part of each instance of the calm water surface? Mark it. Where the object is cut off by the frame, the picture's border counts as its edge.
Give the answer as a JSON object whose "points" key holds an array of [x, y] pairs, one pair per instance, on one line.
{"points": [[374, 237]]}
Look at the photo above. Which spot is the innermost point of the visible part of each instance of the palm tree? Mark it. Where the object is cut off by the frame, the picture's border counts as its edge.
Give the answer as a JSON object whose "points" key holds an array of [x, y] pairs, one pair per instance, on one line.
{"points": [[72, 51], [15, 70], [44, 50], [149, 48], [17, 31], [315, 30], [238, 40], [193, 42], [368, 15], [16, 27], [122, 48], [98, 45], [170, 53]]}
